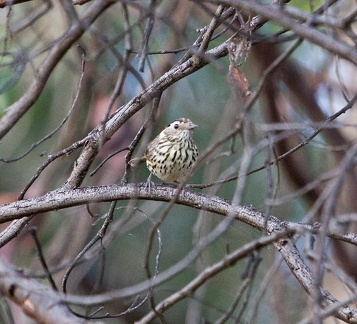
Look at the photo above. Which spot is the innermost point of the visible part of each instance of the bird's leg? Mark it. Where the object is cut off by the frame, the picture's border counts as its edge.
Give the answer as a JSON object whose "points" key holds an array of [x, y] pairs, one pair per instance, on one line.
{"points": [[149, 183]]}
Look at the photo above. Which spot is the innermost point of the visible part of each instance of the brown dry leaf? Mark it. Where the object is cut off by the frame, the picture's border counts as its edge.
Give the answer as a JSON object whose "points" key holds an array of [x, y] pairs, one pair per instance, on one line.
{"points": [[239, 81]]}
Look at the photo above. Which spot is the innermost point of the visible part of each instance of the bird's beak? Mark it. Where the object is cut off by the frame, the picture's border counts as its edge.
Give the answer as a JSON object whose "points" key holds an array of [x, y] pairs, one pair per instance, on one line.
{"points": [[192, 126]]}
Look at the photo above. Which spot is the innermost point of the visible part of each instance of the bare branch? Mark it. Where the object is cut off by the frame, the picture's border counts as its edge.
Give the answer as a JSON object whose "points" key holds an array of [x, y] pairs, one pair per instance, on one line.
{"points": [[277, 13], [36, 300]]}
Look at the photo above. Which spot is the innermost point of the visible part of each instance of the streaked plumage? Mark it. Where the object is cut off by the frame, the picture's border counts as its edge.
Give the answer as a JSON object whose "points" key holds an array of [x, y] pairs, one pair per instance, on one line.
{"points": [[171, 155]]}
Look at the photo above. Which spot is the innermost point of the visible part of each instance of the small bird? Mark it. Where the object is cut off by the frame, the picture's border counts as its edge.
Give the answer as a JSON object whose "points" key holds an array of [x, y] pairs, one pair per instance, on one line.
{"points": [[171, 155]]}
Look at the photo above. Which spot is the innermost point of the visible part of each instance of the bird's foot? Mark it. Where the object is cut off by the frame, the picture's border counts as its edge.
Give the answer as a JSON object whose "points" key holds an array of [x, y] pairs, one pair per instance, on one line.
{"points": [[149, 183]]}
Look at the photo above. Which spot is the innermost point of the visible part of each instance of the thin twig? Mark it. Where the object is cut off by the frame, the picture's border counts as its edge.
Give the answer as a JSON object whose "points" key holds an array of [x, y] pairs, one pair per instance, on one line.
{"points": [[33, 232]]}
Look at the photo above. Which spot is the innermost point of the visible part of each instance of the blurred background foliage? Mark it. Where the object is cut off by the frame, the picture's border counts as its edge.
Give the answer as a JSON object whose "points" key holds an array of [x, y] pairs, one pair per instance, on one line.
{"points": [[205, 97]]}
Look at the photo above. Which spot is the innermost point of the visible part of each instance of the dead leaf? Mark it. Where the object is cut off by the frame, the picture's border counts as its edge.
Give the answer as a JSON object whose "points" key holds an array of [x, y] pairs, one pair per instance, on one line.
{"points": [[239, 81]]}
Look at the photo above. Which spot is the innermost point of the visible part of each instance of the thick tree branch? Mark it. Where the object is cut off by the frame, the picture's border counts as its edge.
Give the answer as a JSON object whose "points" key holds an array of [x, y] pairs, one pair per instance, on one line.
{"points": [[21, 106], [36, 300], [60, 199]]}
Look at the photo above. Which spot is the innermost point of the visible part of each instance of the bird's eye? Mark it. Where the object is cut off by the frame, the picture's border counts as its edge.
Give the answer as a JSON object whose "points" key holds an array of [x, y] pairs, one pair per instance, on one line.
{"points": [[176, 126]]}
